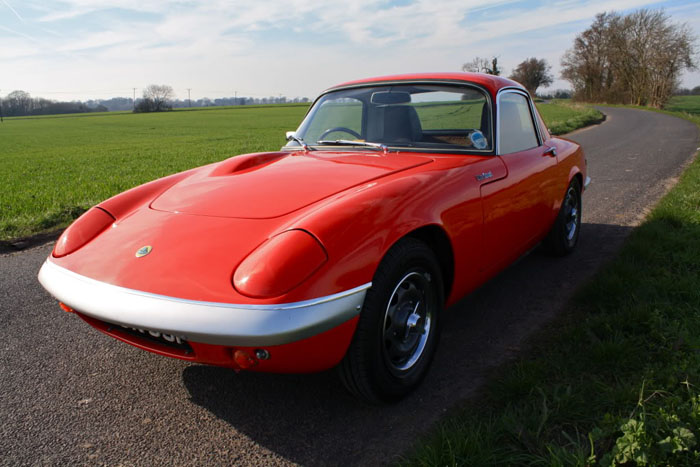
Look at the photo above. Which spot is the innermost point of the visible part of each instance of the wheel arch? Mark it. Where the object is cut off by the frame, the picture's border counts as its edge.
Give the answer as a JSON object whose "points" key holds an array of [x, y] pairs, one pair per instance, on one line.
{"points": [[578, 176], [359, 230], [437, 240], [574, 174]]}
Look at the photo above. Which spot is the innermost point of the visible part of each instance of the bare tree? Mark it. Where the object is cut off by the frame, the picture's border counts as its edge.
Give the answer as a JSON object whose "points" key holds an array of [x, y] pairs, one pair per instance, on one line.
{"points": [[632, 59], [483, 65], [661, 51], [533, 73], [156, 98], [18, 103], [587, 65]]}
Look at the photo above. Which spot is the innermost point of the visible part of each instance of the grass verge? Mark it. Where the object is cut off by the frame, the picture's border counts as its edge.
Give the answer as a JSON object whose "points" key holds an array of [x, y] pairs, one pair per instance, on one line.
{"points": [[564, 116], [616, 379]]}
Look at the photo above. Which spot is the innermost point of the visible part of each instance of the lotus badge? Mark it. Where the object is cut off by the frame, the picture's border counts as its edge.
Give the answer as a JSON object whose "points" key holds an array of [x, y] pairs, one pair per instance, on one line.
{"points": [[143, 251]]}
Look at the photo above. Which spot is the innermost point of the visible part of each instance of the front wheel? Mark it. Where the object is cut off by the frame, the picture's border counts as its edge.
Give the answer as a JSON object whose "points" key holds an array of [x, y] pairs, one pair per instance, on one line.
{"points": [[399, 325], [563, 237]]}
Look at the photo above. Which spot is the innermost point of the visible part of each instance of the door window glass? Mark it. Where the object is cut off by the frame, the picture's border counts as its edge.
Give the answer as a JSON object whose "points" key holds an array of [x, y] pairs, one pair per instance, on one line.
{"points": [[517, 131]]}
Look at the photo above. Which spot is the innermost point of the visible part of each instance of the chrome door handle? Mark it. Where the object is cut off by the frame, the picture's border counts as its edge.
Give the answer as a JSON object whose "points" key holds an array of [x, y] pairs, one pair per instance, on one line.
{"points": [[550, 151]]}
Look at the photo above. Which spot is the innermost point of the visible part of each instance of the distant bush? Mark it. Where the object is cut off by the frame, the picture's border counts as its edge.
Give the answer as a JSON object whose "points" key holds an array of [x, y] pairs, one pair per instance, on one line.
{"points": [[558, 94], [149, 105], [156, 98]]}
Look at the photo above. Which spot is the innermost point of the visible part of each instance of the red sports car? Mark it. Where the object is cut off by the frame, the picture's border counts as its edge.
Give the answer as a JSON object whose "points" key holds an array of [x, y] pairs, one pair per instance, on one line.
{"points": [[394, 198]]}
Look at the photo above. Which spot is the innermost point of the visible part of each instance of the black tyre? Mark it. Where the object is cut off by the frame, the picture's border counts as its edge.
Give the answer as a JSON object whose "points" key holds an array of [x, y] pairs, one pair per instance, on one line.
{"points": [[399, 325], [563, 237]]}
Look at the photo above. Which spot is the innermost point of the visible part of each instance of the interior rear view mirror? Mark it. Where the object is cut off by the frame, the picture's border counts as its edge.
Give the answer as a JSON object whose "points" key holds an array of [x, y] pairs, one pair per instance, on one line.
{"points": [[390, 97]]}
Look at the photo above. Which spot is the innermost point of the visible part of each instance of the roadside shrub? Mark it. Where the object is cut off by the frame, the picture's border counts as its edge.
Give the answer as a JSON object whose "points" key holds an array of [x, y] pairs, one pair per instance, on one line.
{"points": [[150, 105]]}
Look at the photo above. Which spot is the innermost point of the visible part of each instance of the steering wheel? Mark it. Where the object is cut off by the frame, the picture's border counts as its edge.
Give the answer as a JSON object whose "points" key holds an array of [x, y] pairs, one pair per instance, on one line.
{"points": [[339, 128]]}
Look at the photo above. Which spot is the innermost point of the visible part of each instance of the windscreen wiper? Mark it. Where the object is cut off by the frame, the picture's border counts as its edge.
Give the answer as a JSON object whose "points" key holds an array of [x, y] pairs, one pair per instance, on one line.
{"points": [[302, 143], [347, 142]]}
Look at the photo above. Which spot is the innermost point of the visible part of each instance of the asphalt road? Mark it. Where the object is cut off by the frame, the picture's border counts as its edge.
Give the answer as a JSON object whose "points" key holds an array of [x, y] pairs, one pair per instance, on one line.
{"points": [[69, 394]]}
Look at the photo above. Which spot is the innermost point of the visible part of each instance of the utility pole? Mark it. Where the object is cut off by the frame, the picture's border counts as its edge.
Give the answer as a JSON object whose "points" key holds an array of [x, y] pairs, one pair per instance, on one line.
{"points": [[235, 97], [133, 101], [189, 101], [1, 109]]}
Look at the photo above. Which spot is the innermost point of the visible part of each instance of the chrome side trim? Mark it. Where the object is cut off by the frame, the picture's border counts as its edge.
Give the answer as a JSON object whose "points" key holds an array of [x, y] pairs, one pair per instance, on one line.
{"points": [[587, 182], [198, 321]]}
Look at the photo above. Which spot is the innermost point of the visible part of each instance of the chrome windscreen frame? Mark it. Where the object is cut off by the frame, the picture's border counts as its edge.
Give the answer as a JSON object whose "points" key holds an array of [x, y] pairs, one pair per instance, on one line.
{"points": [[429, 82]]}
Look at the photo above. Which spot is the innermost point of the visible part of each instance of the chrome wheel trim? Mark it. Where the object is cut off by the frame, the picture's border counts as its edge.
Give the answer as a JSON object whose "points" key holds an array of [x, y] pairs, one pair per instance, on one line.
{"points": [[407, 322], [571, 214]]}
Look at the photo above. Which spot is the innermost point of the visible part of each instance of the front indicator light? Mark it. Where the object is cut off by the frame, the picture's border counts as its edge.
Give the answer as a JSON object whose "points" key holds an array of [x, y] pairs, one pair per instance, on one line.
{"points": [[80, 232], [244, 360], [279, 265]]}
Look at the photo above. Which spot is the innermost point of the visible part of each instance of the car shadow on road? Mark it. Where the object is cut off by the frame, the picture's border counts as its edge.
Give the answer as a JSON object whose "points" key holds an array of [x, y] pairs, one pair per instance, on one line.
{"points": [[311, 420]]}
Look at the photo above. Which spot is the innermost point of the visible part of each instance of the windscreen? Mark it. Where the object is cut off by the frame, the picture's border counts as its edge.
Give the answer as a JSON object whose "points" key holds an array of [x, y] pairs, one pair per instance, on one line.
{"points": [[425, 117]]}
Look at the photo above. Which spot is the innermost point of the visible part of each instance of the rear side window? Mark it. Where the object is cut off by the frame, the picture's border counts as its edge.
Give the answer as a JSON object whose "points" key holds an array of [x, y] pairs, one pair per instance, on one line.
{"points": [[517, 130]]}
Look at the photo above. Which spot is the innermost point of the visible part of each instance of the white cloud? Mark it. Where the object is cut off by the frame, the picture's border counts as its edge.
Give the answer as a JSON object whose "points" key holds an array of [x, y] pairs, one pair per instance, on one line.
{"points": [[294, 47]]}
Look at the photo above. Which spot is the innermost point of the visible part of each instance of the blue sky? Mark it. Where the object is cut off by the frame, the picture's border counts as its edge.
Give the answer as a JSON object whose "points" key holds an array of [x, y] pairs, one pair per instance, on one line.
{"points": [[82, 49]]}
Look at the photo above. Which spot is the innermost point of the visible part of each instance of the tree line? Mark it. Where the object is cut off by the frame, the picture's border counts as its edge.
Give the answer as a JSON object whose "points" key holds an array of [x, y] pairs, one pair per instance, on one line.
{"points": [[688, 92], [629, 59], [636, 59], [159, 98], [531, 73], [21, 103]]}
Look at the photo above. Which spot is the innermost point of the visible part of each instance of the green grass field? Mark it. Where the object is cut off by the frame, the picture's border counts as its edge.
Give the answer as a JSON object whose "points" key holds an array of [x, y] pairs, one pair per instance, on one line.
{"points": [[687, 104], [56, 167], [616, 379]]}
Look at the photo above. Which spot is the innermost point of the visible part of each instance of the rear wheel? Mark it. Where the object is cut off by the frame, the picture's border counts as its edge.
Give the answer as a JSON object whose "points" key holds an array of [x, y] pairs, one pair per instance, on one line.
{"points": [[563, 237], [398, 329]]}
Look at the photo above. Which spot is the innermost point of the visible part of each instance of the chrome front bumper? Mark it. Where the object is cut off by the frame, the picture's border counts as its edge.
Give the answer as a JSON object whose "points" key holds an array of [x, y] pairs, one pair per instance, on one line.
{"points": [[206, 322]]}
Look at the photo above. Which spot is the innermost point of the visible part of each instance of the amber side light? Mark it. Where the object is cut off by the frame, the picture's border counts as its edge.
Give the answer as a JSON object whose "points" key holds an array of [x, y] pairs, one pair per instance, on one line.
{"points": [[65, 307], [80, 232], [244, 360], [279, 265]]}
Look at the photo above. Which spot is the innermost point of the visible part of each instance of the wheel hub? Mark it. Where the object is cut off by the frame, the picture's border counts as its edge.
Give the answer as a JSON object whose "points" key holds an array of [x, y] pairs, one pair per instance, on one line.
{"points": [[407, 322], [571, 213]]}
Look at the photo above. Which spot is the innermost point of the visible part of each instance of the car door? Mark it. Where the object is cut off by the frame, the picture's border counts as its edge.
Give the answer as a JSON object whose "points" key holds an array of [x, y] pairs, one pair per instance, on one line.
{"points": [[517, 208]]}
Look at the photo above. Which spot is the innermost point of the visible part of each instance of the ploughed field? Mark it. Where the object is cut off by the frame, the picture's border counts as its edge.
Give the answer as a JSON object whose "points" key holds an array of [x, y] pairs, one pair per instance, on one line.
{"points": [[56, 167]]}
